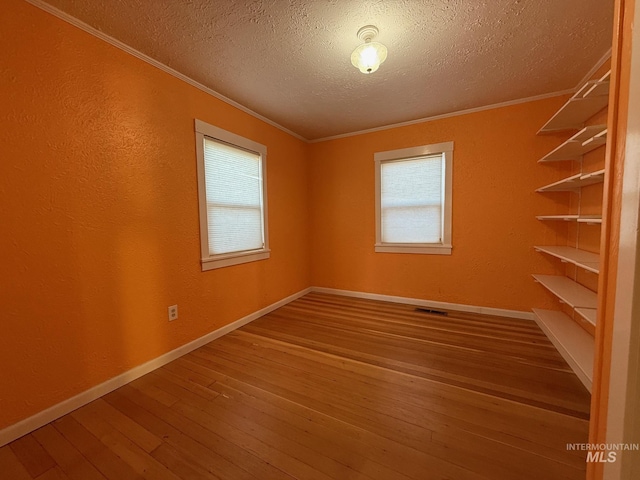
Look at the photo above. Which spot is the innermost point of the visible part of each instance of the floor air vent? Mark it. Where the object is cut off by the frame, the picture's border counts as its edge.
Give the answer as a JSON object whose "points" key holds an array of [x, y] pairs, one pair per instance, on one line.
{"points": [[429, 310]]}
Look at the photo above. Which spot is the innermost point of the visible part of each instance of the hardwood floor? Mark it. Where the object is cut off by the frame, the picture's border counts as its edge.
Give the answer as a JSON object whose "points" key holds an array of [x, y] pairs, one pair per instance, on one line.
{"points": [[332, 388]]}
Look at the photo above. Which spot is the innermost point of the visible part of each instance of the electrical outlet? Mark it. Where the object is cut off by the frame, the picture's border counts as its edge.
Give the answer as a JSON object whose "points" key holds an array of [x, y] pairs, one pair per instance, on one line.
{"points": [[173, 313]]}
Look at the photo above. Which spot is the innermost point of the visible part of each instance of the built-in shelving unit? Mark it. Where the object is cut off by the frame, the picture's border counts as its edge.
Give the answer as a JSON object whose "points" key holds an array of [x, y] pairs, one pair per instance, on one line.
{"points": [[574, 182], [586, 140], [571, 330], [587, 260], [586, 102], [574, 344]]}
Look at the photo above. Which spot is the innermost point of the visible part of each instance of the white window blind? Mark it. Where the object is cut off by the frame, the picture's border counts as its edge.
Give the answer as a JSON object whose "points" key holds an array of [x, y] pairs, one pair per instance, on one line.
{"points": [[233, 179], [412, 200]]}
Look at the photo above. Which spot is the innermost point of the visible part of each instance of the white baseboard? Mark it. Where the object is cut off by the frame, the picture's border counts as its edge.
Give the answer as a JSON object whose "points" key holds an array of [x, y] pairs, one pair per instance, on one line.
{"points": [[36, 421], [428, 303]]}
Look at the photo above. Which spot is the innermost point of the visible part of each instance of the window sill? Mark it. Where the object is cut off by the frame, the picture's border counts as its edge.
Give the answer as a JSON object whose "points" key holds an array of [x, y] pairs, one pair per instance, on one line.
{"points": [[433, 249], [229, 259]]}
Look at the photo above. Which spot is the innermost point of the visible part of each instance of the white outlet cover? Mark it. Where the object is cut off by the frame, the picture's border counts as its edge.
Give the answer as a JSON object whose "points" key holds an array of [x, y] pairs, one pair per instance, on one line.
{"points": [[173, 312]]}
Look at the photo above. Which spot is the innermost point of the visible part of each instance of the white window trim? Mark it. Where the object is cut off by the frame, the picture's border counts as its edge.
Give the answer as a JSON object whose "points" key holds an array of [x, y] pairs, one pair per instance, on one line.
{"points": [[210, 262], [443, 248]]}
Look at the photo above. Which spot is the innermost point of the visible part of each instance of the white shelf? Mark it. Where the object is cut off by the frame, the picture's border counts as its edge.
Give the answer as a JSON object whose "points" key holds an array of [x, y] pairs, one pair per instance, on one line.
{"points": [[600, 87], [589, 314], [574, 182], [574, 344], [570, 292], [587, 139], [596, 141], [590, 219], [566, 218], [586, 102], [563, 185], [592, 178], [587, 260]]}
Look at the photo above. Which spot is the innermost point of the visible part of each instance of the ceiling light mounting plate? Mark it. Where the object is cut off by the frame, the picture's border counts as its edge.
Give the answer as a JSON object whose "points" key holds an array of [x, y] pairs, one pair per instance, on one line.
{"points": [[367, 33]]}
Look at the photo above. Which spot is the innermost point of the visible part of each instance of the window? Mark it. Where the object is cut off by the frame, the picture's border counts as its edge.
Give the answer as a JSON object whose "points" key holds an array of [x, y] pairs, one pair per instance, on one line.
{"points": [[232, 198], [413, 199]]}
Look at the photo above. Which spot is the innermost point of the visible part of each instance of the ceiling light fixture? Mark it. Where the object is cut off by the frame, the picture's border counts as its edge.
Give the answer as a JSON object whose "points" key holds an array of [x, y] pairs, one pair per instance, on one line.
{"points": [[370, 55]]}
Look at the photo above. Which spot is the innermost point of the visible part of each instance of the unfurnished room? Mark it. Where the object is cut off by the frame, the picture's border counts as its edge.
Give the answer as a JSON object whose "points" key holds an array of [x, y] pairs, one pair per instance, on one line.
{"points": [[319, 240]]}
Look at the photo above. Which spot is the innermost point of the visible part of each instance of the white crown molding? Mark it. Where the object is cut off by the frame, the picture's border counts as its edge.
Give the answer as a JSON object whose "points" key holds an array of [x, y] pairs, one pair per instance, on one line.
{"points": [[23, 427], [145, 58], [445, 115], [501, 312]]}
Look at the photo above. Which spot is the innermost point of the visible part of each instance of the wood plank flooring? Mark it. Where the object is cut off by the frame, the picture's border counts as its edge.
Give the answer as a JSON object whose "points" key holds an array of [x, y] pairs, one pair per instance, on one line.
{"points": [[332, 388]]}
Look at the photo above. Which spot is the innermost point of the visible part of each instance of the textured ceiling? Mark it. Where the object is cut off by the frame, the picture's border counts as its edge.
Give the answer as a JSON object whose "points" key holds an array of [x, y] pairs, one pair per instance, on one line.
{"points": [[289, 60]]}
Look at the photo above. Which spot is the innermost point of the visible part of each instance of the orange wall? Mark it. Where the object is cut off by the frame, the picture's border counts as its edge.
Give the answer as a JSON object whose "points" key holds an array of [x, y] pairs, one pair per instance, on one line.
{"points": [[494, 228], [99, 213]]}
